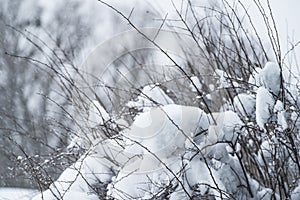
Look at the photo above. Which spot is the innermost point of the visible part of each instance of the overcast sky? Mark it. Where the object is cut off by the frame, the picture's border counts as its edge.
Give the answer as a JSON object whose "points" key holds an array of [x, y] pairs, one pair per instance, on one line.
{"points": [[286, 14]]}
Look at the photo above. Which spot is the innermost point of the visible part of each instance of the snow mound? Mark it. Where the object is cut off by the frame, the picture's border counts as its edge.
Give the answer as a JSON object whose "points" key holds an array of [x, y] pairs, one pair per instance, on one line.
{"points": [[164, 130], [204, 177], [145, 177], [254, 78], [225, 129], [281, 115], [270, 77], [244, 104], [151, 96], [48, 195], [264, 106], [17, 193], [75, 181]]}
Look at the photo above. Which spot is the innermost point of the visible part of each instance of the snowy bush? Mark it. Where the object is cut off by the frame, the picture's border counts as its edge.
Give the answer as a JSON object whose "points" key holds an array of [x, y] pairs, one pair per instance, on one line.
{"points": [[196, 107]]}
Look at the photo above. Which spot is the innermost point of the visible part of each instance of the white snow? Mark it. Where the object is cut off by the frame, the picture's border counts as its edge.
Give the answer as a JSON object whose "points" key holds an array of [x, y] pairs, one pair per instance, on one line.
{"points": [[281, 115], [270, 77], [227, 124], [265, 153], [97, 114], [164, 130], [295, 116], [196, 83], [244, 104], [200, 173], [72, 195], [143, 177], [151, 96], [16, 193], [254, 78], [76, 180], [225, 80], [266, 194], [296, 192], [264, 106]]}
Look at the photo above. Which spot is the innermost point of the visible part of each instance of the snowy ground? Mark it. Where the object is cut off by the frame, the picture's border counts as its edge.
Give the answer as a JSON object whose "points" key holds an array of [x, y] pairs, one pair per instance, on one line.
{"points": [[17, 193]]}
